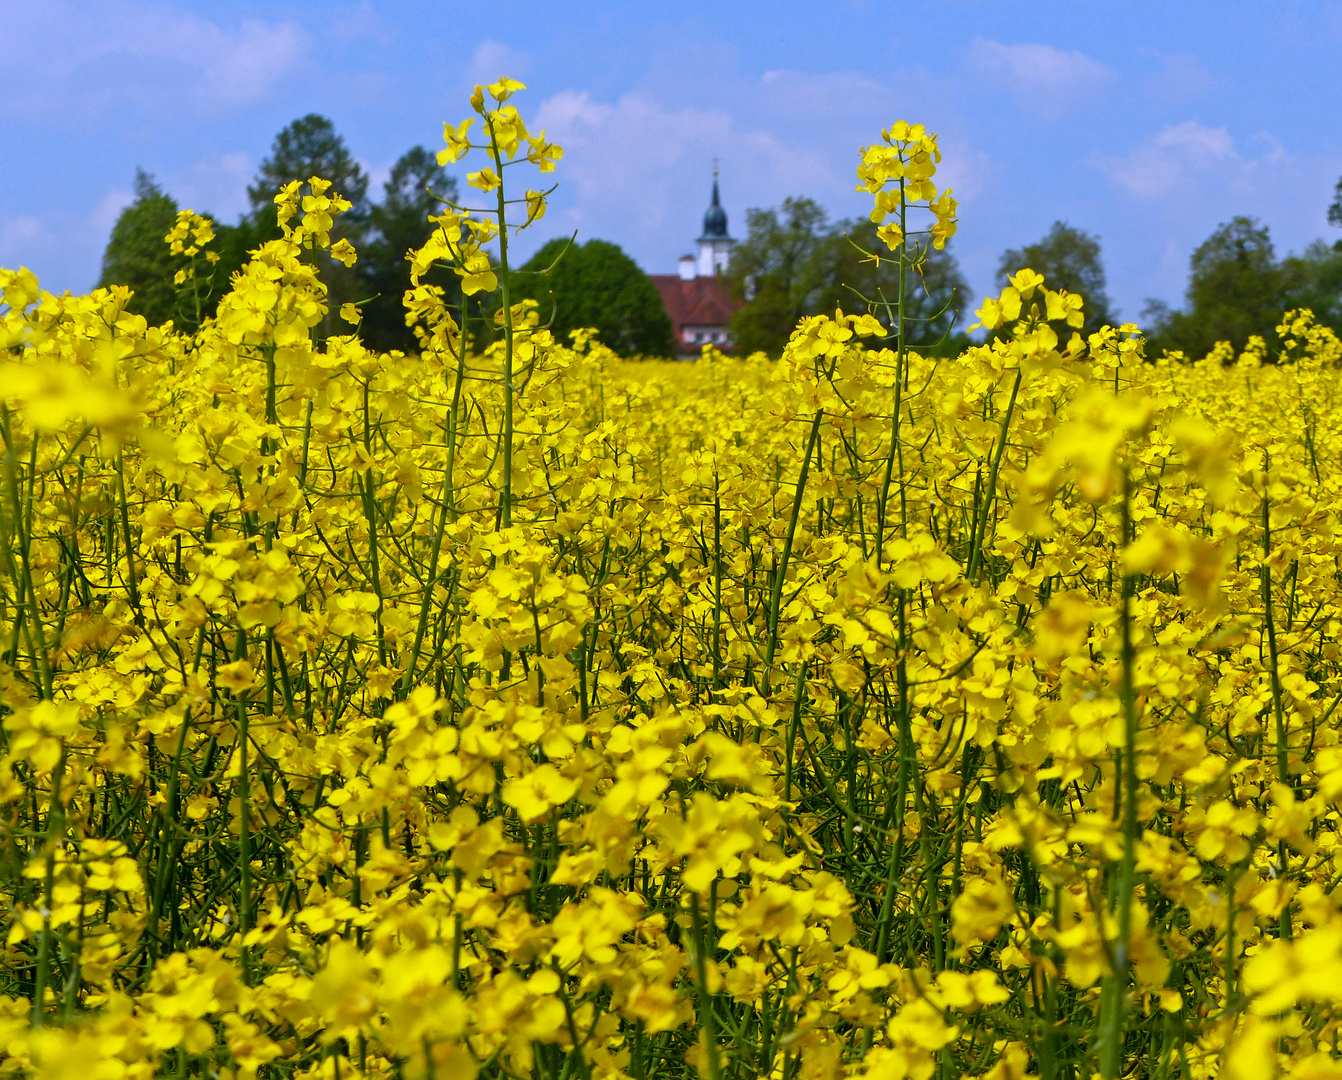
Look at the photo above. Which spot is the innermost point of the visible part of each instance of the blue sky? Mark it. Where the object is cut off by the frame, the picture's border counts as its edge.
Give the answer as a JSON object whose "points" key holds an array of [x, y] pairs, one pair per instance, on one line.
{"points": [[1147, 124]]}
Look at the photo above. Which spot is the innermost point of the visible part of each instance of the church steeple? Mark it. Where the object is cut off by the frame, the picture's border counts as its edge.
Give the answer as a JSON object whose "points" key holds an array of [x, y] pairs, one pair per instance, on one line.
{"points": [[715, 218], [715, 243], [697, 298]]}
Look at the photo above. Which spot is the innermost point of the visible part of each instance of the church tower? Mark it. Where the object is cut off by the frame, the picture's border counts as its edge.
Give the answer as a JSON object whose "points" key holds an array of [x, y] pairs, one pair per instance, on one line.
{"points": [[696, 298], [714, 245]]}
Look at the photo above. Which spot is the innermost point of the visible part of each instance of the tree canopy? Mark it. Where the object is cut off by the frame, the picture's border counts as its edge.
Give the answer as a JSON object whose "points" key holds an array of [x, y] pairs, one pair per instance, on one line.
{"points": [[413, 191], [137, 256], [307, 147], [794, 262], [310, 146], [595, 285], [1069, 259], [780, 270], [1236, 289], [1313, 279]]}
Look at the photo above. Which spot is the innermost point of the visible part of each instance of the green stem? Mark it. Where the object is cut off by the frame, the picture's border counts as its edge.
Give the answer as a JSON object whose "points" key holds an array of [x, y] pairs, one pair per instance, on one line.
{"points": [[882, 500], [717, 584], [1113, 1005], [132, 586], [28, 616], [990, 491], [446, 510], [706, 1018], [506, 498], [55, 831], [1274, 676], [776, 600], [792, 731], [244, 821], [163, 871]]}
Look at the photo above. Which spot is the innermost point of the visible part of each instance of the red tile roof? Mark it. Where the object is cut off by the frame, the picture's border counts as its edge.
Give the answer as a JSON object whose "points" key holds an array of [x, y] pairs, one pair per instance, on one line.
{"points": [[701, 301]]}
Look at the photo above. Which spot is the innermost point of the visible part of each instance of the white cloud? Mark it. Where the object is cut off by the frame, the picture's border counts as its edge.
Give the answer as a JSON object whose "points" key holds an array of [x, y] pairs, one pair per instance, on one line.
{"points": [[640, 172], [1188, 178], [360, 22], [1047, 81], [637, 171], [18, 234], [966, 170], [630, 160], [101, 58], [243, 66], [1174, 158], [492, 60], [571, 109], [62, 248]]}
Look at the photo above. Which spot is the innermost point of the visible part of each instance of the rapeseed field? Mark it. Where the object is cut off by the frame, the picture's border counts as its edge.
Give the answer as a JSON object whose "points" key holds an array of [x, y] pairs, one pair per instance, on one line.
{"points": [[519, 711]]}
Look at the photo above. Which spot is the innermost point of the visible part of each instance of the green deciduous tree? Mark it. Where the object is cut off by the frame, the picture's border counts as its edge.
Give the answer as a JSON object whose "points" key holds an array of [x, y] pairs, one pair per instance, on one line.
{"points": [[137, 256], [398, 223], [1313, 279], [1236, 289], [781, 270], [596, 285], [1069, 259], [794, 262], [382, 232], [935, 292]]}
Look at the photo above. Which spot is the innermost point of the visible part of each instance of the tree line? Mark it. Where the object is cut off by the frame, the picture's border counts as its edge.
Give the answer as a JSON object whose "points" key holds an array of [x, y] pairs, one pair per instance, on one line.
{"points": [[381, 230], [593, 285], [794, 261], [1238, 288]]}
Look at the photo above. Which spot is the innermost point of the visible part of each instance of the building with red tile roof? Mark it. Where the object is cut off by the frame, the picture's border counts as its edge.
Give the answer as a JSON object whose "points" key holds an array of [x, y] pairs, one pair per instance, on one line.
{"points": [[697, 299]]}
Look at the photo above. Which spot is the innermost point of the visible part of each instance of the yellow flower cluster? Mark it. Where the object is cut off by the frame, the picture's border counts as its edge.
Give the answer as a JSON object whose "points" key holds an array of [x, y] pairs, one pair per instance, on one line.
{"points": [[909, 159], [521, 712], [189, 233]]}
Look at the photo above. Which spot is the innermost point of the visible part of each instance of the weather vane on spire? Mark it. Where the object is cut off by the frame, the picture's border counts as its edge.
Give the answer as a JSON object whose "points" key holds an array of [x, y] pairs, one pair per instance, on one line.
{"points": [[715, 168]]}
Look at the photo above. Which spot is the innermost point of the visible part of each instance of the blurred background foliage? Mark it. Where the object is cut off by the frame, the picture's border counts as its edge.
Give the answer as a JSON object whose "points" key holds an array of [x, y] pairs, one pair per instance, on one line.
{"points": [[794, 261]]}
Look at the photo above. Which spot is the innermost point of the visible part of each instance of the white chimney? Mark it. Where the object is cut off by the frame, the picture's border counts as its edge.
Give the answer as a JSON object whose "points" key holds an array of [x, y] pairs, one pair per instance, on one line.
{"points": [[687, 268]]}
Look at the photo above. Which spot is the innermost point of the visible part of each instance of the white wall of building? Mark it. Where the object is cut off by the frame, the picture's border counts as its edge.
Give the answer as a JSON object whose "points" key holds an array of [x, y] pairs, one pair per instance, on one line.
{"points": [[713, 255]]}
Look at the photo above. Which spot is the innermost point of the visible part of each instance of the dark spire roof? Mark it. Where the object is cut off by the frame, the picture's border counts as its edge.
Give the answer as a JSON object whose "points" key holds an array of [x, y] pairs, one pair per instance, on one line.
{"points": [[715, 217]]}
